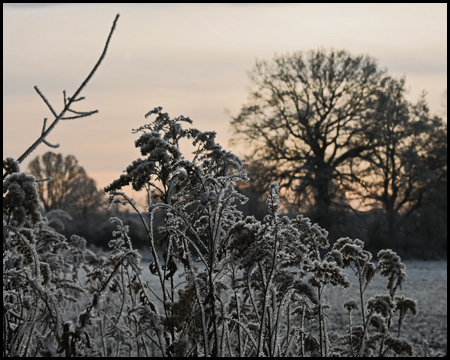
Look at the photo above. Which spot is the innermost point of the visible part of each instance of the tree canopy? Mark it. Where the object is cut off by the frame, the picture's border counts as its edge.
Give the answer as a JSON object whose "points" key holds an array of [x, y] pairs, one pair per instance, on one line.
{"points": [[305, 120], [332, 128], [69, 189]]}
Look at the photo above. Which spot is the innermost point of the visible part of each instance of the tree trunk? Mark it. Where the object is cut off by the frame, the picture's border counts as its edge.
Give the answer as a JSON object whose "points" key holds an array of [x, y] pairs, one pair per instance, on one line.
{"points": [[322, 198]]}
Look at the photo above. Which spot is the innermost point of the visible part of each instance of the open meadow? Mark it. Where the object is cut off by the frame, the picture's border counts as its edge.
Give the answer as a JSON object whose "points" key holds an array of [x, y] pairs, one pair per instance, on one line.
{"points": [[426, 283]]}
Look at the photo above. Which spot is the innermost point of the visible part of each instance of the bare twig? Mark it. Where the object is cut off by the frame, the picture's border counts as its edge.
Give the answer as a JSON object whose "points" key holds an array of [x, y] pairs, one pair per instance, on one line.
{"points": [[68, 102]]}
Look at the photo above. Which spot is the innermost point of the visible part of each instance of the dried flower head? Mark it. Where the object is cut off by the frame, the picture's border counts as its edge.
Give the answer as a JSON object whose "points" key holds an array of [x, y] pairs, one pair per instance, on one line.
{"points": [[352, 250], [351, 305], [45, 272], [328, 273], [399, 346], [11, 166], [404, 304], [21, 199], [381, 304], [378, 323], [391, 266]]}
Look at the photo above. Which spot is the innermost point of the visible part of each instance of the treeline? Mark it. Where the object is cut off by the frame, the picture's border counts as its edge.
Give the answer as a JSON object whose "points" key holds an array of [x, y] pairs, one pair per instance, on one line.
{"points": [[422, 236]]}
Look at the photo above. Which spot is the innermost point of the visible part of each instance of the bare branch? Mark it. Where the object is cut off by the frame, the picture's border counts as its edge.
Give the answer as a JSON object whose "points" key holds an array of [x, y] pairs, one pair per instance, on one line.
{"points": [[70, 100]]}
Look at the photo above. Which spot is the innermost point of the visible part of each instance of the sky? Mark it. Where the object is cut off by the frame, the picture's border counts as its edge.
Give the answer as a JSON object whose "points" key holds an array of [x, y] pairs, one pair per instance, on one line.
{"points": [[191, 59]]}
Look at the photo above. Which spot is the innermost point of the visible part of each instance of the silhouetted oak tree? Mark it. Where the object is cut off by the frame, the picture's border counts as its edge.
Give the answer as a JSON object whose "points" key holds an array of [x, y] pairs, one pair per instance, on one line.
{"points": [[305, 119]]}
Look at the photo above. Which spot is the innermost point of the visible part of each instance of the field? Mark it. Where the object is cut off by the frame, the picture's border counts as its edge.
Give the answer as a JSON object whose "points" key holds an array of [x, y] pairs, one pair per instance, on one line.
{"points": [[426, 283]]}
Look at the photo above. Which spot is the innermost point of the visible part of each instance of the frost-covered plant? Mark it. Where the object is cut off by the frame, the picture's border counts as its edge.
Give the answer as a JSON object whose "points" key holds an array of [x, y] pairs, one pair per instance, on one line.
{"points": [[379, 311], [20, 200], [198, 199], [37, 287], [282, 257], [239, 287], [273, 285]]}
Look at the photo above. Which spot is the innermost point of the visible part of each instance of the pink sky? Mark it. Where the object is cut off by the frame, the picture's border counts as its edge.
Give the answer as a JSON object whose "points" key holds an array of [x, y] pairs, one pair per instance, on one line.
{"points": [[191, 59]]}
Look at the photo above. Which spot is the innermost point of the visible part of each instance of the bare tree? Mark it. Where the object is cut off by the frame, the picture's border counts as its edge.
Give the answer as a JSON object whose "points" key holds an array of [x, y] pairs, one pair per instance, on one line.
{"points": [[408, 160], [305, 120], [69, 189]]}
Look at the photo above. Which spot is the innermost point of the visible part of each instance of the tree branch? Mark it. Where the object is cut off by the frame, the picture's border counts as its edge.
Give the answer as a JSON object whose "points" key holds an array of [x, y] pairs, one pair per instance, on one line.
{"points": [[70, 100]]}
